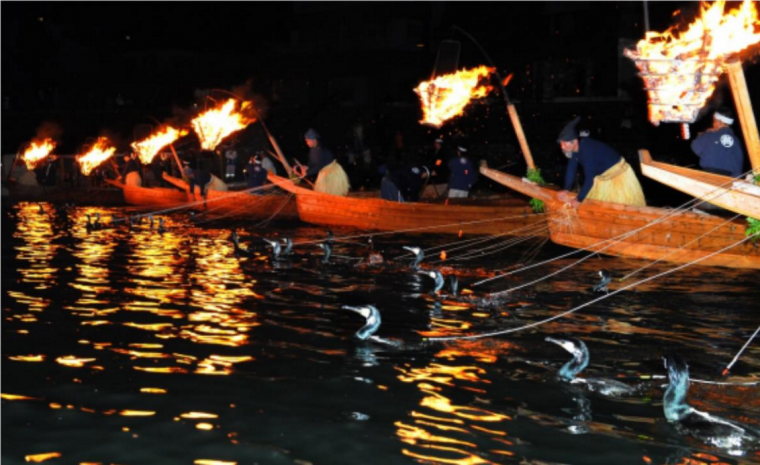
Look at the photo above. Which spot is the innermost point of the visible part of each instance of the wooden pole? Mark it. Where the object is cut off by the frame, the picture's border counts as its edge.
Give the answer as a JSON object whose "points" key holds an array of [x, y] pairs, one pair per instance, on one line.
{"points": [[744, 110], [520, 136], [176, 158]]}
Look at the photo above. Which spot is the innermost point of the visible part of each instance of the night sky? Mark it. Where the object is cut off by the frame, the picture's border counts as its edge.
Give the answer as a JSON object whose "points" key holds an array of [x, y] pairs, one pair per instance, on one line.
{"points": [[91, 67]]}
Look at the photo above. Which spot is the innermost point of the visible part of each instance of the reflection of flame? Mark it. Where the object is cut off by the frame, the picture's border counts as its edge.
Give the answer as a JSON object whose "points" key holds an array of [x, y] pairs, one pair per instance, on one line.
{"points": [[100, 152], [147, 149], [36, 152], [680, 70], [214, 125], [446, 96], [37, 458]]}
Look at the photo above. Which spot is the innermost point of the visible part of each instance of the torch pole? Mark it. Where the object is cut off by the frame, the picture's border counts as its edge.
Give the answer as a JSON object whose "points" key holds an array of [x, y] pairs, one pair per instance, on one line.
{"points": [[510, 107], [744, 109], [176, 158]]}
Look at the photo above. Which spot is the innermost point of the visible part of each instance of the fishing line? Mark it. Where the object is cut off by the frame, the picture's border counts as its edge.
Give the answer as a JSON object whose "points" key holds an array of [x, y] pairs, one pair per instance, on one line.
{"points": [[746, 344], [598, 299]]}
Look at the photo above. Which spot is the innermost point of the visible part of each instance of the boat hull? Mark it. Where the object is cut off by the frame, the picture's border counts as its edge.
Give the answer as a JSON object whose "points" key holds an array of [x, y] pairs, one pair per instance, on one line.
{"points": [[640, 232], [509, 217]]}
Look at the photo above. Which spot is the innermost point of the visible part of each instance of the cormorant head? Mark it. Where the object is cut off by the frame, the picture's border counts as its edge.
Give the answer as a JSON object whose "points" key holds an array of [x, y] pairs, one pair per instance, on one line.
{"points": [[578, 350], [371, 314], [678, 370], [605, 275]]}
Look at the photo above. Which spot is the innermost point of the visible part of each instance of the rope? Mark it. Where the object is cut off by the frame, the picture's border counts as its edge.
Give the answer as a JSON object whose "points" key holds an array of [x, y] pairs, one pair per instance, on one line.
{"points": [[573, 310], [615, 240], [746, 344]]}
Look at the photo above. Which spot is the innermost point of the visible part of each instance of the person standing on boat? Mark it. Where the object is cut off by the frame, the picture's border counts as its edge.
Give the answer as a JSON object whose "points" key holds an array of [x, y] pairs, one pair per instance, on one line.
{"points": [[607, 176], [231, 155], [266, 162], [718, 148], [256, 173], [463, 174], [130, 173], [413, 179], [319, 156]]}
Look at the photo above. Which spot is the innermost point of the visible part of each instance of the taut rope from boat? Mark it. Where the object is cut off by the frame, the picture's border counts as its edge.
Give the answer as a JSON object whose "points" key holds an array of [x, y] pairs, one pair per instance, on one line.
{"points": [[591, 302]]}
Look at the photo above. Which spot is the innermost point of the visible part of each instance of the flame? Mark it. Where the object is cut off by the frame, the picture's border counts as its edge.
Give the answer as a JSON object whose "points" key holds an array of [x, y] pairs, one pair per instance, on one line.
{"points": [[680, 70], [36, 152], [148, 148], [446, 96], [100, 152], [214, 125]]}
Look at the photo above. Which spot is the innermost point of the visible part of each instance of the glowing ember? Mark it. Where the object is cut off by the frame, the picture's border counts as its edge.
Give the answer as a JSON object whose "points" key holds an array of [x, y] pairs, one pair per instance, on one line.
{"points": [[100, 152], [148, 148], [680, 70], [37, 152], [214, 125], [446, 96]]}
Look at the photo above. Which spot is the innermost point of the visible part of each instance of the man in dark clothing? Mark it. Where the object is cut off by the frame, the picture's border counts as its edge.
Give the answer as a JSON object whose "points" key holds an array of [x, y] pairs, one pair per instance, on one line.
{"points": [[463, 174], [256, 174], [46, 174], [319, 156], [718, 149], [200, 178], [130, 166], [607, 176], [412, 179]]}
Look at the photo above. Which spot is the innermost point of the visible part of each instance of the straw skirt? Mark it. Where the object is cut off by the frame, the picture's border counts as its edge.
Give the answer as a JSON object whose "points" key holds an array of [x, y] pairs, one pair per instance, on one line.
{"points": [[618, 185]]}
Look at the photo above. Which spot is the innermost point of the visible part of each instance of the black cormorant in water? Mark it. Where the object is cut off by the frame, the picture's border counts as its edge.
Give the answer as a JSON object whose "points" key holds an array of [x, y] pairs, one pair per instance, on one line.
{"points": [[373, 321], [710, 429], [276, 249], [419, 255], [601, 286], [568, 372], [328, 251], [437, 277], [288, 246]]}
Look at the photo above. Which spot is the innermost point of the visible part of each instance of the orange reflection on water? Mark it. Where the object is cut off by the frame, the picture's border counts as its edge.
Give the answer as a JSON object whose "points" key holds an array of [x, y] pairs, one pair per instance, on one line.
{"points": [[468, 459], [35, 230], [136, 413], [443, 374], [198, 415], [75, 362], [149, 390], [443, 404], [27, 358], [37, 458], [16, 397], [213, 462]]}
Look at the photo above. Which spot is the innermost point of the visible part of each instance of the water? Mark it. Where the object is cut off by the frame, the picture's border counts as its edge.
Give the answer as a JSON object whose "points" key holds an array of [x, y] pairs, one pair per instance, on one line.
{"points": [[134, 347]]}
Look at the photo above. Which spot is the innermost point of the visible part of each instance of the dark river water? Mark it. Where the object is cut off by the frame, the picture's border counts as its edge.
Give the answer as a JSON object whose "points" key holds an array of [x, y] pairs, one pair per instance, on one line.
{"points": [[128, 346]]}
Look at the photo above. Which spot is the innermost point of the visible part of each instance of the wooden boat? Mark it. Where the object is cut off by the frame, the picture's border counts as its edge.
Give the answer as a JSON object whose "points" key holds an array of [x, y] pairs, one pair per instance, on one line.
{"points": [[155, 197], [240, 203], [470, 216], [723, 191], [640, 232]]}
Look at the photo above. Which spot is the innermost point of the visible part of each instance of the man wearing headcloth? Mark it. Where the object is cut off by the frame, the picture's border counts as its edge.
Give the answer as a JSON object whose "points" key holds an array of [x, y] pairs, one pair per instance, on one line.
{"points": [[319, 156], [718, 148], [607, 176], [256, 174]]}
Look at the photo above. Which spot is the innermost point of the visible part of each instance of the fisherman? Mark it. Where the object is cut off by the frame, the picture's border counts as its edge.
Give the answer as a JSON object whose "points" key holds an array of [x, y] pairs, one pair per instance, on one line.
{"points": [[266, 162], [319, 156], [231, 155], [463, 174], [718, 149], [412, 180], [46, 173], [607, 175], [130, 172], [200, 178], [256, 174], [390, 184]]}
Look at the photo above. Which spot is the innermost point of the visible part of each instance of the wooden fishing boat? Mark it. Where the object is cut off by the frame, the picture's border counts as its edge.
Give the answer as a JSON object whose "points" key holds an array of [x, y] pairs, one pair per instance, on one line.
{"points": [[240, 203], [723, 191], [154, 197], [469, 216], [640, 232]]}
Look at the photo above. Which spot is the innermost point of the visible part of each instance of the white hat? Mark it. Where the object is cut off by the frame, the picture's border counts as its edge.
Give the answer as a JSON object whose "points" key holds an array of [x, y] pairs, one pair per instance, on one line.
{"points": [[462, 149], [439, 140], [723, 118]]}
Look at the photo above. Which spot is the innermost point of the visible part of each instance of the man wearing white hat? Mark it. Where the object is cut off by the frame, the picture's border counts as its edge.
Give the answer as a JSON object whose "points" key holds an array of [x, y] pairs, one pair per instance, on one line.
{"points": [[463, 175], [718, 148]]}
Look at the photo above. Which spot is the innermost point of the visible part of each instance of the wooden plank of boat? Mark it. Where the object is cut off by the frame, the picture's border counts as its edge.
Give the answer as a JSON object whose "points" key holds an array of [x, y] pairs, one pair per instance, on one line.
{"points": [[650, 233], [241, 204], [161, 197], [719, 190], [510, 217]]}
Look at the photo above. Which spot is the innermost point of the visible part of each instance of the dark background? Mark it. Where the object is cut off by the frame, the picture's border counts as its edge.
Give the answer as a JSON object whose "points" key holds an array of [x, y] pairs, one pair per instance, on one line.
{"points": [[117, 67]]}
